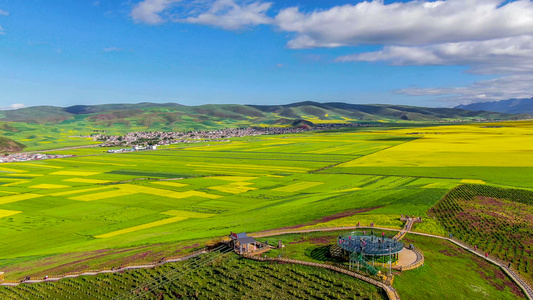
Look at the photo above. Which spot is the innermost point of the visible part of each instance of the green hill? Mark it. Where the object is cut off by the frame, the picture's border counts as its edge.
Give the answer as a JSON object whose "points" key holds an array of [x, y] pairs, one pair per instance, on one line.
{"points": [[8, 145], [173, 112], [50, 127]]}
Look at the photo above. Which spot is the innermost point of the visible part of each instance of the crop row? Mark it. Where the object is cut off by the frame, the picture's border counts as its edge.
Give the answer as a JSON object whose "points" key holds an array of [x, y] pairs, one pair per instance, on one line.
{"points": [[228, 278], [495, 220]]}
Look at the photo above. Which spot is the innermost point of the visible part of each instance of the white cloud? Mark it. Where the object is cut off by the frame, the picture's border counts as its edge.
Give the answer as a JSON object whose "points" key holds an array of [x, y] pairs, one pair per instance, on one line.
{"points": [[410, 23], [227, 14], [12, 106], [112, 49], [148, 11], [515, 86], [500, 56], [230, 15], [3, 13]]}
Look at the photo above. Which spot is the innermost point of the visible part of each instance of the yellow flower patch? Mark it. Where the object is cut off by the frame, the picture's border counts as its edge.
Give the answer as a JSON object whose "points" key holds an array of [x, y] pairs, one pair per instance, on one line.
{"points": [[234, 188], [74, 173], [49, 186], [19, 197], [173, 184], [7, 213], [178, 215], [475, 181]]}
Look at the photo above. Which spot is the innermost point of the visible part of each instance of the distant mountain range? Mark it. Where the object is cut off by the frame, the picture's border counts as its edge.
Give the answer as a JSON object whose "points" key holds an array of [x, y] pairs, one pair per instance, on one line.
{"points": [[511, 106], [145, 114]]}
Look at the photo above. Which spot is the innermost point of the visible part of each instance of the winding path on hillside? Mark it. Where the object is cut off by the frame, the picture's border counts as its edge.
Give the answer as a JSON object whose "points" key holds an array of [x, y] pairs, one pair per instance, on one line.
{"points": [[521, 282], [517, 278]]}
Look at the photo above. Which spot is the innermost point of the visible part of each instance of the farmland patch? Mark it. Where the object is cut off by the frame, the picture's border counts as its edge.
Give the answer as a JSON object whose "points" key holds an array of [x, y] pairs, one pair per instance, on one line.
{"points": [[298, 186], [86, 180], [47, 186], [74, 173], [6, 213], [19, 197]]}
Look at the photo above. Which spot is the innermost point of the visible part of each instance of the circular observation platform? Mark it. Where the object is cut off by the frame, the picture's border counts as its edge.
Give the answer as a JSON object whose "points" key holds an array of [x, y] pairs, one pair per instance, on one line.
{"points": [[369, 245]]}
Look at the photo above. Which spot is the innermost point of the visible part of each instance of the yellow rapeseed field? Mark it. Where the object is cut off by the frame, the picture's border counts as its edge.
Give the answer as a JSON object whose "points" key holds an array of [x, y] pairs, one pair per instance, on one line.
{"points": [[19, 197], [465, 145], [47, 186], [178, 215], [16, 183], [298, 186], [140, 227], [167, 183], [103, 195], [476, 181], [3, 169], [74, 173], [440, 185], [234, 188], [129, 189], [7, 213]]}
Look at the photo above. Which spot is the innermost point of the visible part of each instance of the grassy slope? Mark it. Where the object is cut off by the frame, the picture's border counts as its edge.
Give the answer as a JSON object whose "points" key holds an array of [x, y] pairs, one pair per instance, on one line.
{"points": [[8, 145], [451, 272], [448, 272], [47, 127]]}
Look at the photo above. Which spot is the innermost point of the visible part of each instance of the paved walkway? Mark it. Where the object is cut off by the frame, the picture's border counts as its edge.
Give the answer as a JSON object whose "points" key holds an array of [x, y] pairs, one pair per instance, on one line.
{"points": [[96, 272], [406, 257], [521, 282], [517, 278]]}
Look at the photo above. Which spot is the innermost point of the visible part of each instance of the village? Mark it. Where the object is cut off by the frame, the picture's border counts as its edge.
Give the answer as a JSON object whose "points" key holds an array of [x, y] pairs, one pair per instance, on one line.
{"points": [[222, 135], [18, 157]]}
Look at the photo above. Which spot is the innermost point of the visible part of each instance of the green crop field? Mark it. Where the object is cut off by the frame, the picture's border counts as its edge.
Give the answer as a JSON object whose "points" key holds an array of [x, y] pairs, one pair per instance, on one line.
{"points": [[99, 210]]}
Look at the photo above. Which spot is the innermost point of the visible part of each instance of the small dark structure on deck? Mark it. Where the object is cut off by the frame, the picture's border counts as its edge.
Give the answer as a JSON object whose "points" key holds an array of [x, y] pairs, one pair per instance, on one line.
{"points": [[242, 243]]}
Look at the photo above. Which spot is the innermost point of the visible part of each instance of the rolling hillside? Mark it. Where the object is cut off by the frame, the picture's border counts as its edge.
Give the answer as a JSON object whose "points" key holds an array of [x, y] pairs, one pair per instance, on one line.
{"points": [[169, 113], [49, 127], [8, 145]]}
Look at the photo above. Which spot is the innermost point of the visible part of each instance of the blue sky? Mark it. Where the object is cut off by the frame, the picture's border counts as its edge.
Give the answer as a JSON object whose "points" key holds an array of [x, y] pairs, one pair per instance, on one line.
{"points": [[193, 52]]}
